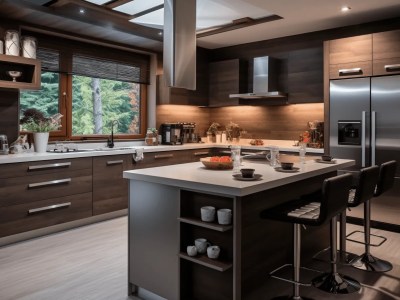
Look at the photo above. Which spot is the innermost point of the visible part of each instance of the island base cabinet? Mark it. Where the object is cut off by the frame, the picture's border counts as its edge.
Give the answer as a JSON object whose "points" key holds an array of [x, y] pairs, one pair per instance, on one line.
{"points": [[199, 282], [154, 238]]}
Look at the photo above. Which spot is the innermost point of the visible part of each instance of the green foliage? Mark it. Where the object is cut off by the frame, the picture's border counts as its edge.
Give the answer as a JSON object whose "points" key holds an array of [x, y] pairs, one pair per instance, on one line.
{"points": [[119, 102], [45, 99]]}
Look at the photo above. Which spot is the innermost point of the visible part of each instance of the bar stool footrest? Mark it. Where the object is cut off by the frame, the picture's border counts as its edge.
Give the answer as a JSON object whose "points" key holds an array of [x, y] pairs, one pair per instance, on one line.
{"points": [[383, 239], [290, 266], [342, 258]]}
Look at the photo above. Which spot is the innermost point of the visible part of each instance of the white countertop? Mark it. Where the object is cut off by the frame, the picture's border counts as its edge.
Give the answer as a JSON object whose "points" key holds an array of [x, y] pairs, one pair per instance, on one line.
{"points": [[127, 149], [195, 176]]}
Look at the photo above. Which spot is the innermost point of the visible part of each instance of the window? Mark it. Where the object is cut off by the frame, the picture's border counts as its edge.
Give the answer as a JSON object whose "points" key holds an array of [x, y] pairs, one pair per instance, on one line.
{"points": [[96, 103], [92, 87]]}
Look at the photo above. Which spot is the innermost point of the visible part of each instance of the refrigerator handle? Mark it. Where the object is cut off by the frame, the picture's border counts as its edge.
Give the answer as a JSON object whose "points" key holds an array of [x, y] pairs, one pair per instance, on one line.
{"points": [[363, 142], [373, 137]]}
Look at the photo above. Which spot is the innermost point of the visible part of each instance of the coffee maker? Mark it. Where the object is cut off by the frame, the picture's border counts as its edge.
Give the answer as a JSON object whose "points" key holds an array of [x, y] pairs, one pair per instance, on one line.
{"points": [[171, 134], [3, 144]]}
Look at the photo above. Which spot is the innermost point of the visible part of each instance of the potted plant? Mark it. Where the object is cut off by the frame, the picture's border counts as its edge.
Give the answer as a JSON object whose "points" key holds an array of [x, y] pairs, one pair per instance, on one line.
{"points": [[36, 122], [233, 131], [211, 132]]}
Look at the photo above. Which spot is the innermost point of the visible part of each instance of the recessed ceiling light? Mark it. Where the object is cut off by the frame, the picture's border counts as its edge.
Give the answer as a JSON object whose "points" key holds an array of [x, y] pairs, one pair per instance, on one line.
{"points": [[82, 11], [345, 8], [160, 33]]}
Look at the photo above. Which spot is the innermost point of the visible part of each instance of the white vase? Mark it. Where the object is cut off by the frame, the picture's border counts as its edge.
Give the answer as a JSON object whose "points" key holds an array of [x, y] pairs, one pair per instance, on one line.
{"points": [[40, 140]]}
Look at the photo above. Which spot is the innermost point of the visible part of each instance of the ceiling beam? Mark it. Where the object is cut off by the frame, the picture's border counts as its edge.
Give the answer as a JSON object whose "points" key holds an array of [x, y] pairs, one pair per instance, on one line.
{"points": [[236, 24], [115, 3], [147, 11]]}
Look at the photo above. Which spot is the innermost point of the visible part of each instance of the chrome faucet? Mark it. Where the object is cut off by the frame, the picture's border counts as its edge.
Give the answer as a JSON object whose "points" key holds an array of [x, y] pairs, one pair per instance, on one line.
{"points": [[110, 141]]}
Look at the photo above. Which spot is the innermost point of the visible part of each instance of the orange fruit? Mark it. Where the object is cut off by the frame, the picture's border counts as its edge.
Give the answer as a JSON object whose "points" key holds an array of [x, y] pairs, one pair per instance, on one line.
{"points": [[214, 158], [225, 159]]}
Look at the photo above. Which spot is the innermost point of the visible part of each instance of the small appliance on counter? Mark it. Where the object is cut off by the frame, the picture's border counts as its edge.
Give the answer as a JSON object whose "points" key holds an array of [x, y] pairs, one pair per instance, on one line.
{"points": [[171, 134], [189, 132], [3, 144]]}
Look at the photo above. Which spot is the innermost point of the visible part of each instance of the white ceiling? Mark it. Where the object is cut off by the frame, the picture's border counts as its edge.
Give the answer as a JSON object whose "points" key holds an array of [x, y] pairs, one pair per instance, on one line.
{"points": [[301, 16]]}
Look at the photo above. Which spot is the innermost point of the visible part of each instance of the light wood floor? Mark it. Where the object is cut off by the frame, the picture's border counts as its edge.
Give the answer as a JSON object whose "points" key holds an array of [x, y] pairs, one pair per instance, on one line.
{"points": [[91, 263]]}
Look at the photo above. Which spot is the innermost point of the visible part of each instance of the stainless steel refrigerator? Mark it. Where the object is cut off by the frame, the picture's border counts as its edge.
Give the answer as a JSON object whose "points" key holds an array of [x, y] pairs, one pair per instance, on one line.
{"points": [[365, 126]]}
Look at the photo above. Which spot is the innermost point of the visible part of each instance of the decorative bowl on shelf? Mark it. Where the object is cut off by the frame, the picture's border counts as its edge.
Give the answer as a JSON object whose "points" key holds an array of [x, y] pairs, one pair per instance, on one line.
{"points": [[217, 162], [14, 75]]}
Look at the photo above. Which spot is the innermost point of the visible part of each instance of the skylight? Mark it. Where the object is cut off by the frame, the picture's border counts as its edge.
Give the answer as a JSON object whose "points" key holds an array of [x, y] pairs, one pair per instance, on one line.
{"points": [[210, 13], [99, 2], [137, 6]]}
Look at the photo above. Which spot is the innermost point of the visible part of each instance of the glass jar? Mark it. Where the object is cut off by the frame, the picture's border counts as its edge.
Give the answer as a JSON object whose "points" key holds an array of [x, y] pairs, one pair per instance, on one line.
{"points": [[1, 47], [12, 45], [29, 46]]}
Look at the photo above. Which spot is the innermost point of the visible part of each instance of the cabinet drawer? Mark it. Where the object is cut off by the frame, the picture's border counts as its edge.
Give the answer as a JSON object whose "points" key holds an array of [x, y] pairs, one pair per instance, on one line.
{"points": [[157, 159], [27, 189], [195, 155], [352, 49], [351, 70], [387, 66], [29, 216], [44, 167]]}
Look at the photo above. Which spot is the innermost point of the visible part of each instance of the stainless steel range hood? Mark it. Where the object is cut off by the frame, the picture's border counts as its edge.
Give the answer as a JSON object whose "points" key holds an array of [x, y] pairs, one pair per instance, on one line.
{"points": [[265, 80], [180, 43]]}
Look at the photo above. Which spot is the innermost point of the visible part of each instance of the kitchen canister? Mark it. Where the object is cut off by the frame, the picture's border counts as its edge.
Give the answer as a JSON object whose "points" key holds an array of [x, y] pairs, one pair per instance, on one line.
{"points": [[11, 41], [1, 47], [29, 46]]}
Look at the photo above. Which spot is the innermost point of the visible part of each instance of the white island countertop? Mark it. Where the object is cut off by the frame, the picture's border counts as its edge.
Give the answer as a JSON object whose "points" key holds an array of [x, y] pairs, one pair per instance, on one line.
{"points": [[194, 176]]}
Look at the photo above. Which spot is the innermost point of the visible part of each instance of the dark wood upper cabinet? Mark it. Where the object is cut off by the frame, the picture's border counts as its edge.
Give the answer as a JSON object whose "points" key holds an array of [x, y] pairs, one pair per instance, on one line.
{"points": [[350, 57], [227, 77], [305, 76], [386, 52], [29, 68]]}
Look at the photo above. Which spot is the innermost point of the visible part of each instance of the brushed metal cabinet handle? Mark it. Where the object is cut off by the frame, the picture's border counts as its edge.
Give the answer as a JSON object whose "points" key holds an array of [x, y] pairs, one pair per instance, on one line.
{"points": [[350, 71], [201, 153], [47, 208], [114, 162], [48, 183], [50, 166], [392, 67], [163, 156]]}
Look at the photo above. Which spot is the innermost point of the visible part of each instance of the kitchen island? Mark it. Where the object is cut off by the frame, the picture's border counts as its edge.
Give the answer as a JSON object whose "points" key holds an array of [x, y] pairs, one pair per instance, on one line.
{"points": [[164, 218]]}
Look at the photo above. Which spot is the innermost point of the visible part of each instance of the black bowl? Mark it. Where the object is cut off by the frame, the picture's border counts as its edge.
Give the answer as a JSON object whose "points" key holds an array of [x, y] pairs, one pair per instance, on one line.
{"points": [[326, 157], [286, 165], [247, 173]]}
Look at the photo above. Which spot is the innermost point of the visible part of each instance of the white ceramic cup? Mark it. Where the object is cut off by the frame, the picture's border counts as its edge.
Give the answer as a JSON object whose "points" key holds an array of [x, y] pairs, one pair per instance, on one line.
{"points": [[207, 213], [224, 216], [201, 245], [213, 252], [191, 250]]}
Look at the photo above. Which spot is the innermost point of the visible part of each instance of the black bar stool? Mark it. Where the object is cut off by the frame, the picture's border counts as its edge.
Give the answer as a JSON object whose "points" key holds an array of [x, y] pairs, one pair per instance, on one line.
{"points": [[316, 210], [361, 193], [366, 261]]}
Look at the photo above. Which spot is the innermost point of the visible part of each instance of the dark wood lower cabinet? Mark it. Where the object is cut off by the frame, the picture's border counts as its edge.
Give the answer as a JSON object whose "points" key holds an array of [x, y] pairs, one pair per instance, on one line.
{"points": [[39, 214], [110, 190]]}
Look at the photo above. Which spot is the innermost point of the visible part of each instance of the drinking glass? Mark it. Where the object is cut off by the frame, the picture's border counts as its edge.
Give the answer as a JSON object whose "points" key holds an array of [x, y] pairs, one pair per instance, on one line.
{"points": [[302, 152], [235, 149], [273, 156]]}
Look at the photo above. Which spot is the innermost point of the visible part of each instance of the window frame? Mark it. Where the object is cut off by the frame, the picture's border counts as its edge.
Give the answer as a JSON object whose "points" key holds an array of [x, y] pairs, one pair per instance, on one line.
{"points": [[67, 48]]}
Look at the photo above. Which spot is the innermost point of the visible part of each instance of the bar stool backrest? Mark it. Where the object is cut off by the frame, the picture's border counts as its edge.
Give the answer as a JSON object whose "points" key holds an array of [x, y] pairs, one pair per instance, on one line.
{"points": [[335, 194], [367, 181], [387, 172]]}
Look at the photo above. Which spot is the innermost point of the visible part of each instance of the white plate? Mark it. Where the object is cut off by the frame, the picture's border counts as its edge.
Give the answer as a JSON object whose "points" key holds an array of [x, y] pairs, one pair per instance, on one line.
{"points": [[293, 170], [319, 160], [254, 178]]}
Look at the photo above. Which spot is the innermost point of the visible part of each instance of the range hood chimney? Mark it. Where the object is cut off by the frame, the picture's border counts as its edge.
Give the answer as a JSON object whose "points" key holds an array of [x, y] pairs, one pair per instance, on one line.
{"points": [[180, 43], [265, 80]]}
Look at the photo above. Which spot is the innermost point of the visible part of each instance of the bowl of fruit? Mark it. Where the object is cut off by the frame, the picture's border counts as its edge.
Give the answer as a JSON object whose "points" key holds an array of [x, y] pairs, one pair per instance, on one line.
{"points": [[217, 162]]}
